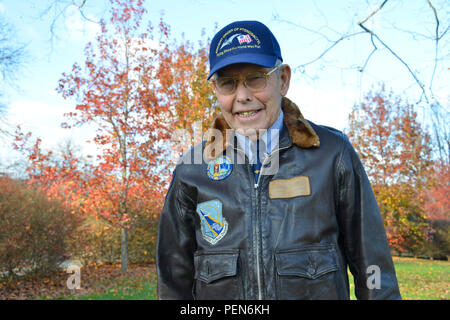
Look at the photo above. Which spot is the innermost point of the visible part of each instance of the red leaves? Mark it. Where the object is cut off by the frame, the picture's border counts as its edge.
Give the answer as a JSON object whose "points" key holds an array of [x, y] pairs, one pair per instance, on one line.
{"points": [[438, 195], [136, 91], [397, 156], [119, 91]]}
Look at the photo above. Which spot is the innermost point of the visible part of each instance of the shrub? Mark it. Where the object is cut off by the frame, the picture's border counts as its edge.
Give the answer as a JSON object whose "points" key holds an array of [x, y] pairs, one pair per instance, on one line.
{"points": [[142, 240], [101, 241], [439, 246], [35, 231]]}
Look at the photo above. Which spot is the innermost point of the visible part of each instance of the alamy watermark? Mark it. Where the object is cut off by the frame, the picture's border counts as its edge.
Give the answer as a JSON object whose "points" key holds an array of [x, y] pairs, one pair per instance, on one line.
{"points": [[74, 281], [374, 279]]}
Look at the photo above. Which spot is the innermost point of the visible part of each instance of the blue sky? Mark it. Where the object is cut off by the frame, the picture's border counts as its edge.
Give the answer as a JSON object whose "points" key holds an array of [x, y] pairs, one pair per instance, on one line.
{"points": [[325, 91]]}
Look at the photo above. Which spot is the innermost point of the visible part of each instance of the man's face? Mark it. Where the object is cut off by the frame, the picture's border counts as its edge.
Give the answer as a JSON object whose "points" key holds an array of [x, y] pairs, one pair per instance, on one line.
{"points": [[245, 109]]}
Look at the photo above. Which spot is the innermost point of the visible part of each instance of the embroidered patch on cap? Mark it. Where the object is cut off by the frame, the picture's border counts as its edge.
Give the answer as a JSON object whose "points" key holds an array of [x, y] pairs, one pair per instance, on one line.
{"points": [[243, 42], [245, 39], [220, 168], [213, 224]]}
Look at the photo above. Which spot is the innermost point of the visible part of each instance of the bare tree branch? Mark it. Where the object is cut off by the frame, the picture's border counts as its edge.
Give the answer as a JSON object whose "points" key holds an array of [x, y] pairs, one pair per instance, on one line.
{"points": [[12, 54], [434, 112], [370, 54], [336, 42], [80, 8], [59, 8], [436, 45], [276, 17], [426, 91], [374, 35], [373, 13]]}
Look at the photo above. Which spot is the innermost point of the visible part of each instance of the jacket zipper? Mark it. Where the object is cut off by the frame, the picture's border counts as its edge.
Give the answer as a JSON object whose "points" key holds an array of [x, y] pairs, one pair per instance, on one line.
{"points": [[255, 232], [255, 225], [256, 187], [254, 236]]}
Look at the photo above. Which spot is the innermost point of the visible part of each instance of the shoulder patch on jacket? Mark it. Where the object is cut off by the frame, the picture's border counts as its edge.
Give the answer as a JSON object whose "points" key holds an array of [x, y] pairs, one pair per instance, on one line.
{"points": [[213, 224]]}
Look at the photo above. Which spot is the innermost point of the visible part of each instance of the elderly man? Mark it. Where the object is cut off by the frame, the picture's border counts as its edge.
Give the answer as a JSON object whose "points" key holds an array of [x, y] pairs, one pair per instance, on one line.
{"points": [[279, 206]]}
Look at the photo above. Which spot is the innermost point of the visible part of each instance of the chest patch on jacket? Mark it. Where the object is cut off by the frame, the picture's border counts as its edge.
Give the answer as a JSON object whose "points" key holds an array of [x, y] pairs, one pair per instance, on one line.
{"points": [[289, 188], [220, 168], [213, 224]]}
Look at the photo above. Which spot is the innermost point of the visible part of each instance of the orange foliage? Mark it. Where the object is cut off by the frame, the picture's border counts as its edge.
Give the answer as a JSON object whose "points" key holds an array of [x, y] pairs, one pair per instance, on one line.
{"points": [[438, 196], [136, 90], [396, 153]]}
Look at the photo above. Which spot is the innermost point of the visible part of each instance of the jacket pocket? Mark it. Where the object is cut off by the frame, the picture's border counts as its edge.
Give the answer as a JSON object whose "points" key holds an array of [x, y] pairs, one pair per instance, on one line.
{"points": [[216, 275], [307, 273]]}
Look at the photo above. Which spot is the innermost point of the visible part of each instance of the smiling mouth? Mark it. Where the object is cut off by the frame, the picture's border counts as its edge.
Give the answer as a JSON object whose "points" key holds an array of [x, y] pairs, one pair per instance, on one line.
{"points": [[247, 114]]}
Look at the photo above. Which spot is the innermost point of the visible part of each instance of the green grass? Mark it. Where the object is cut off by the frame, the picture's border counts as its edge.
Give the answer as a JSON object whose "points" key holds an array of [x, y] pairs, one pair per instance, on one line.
{"points": [[418, 280], [140, 288], [421, 279], [136, 288]]}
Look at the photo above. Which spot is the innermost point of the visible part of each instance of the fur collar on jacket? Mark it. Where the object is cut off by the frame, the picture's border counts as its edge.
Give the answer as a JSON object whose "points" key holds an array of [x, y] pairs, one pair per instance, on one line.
{"points": [[300, 131]]}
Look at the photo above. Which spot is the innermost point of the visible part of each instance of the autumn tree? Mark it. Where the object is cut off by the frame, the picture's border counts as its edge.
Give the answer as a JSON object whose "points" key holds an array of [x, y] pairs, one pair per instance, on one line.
{"points": [[116, 91], [61, 178], [437, 206], [396, 152], [134, 89], [183, 81]]}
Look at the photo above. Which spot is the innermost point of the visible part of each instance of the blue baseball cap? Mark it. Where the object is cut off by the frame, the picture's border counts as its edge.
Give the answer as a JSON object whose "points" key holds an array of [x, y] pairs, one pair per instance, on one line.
{"points": [[243, 42]]}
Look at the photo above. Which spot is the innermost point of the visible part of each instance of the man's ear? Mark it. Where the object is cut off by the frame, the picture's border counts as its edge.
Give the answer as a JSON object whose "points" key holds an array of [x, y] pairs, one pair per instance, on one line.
{"points": [[285, 77]]}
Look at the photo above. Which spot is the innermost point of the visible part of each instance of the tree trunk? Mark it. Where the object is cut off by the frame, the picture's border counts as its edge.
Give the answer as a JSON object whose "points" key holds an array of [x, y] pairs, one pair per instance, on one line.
{"points": [[123, 249]]}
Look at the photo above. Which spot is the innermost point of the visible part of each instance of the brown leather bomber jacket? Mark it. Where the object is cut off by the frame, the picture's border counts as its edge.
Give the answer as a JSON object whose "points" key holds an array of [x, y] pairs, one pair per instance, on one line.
{"points": [[291, 235]]}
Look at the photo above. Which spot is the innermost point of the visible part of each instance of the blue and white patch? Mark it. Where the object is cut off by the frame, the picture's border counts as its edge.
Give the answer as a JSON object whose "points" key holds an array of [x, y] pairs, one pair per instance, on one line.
{"points": [[220, 168], [213, 224]]}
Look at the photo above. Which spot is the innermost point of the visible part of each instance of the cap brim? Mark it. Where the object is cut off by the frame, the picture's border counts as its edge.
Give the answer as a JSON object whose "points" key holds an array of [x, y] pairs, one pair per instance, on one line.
{"points": [[263, 60]]}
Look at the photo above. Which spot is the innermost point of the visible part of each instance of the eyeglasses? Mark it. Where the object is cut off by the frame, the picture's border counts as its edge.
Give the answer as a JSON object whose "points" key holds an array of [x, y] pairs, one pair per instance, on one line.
{"points": [[254, 81]]}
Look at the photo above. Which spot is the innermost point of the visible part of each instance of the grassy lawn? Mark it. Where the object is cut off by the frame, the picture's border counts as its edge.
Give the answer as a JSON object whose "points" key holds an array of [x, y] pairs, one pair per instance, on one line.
{"points": [[136, 288], [420, 279]]}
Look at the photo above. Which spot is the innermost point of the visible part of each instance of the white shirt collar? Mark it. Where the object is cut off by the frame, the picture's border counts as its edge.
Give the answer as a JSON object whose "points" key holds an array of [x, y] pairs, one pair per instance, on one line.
{"points": [[271, 139]]}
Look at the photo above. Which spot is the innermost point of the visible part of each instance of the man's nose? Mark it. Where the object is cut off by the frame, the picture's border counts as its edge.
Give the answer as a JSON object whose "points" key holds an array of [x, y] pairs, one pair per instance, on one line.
{"points": [[243, 94]]}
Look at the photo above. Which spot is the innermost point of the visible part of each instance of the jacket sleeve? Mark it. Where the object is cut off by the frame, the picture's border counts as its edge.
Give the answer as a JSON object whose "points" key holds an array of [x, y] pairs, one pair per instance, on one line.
{"points": [[176, 245], [362, 231]]}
